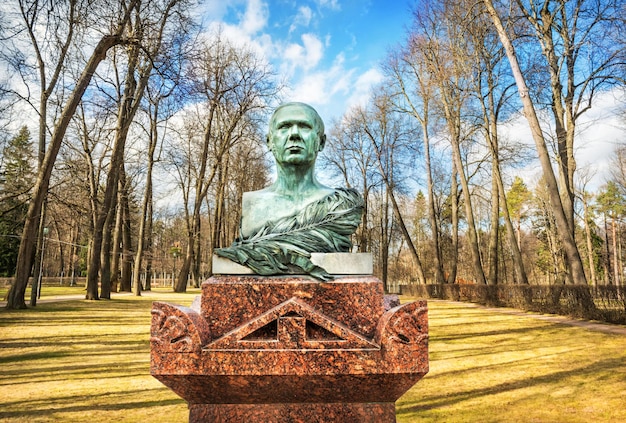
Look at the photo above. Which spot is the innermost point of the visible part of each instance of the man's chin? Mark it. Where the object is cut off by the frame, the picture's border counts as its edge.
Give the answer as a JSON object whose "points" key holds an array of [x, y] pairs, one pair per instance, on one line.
{"points": [[297, 159]]}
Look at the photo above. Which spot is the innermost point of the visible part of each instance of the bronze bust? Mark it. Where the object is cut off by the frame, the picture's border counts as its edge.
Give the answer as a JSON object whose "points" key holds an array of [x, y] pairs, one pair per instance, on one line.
{"points": [[296, 215]]}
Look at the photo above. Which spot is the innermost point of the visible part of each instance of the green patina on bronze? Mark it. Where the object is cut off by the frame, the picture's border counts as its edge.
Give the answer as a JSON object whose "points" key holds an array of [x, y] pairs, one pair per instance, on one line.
{"points": [[283, 224]]}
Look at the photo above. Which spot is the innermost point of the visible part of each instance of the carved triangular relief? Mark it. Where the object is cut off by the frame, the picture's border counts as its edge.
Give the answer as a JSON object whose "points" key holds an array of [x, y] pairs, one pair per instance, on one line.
{"points": [[292, 324]]}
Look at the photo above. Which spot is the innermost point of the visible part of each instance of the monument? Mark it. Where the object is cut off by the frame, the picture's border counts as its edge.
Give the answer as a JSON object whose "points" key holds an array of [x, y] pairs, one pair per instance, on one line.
{"points": [[292, 327]]}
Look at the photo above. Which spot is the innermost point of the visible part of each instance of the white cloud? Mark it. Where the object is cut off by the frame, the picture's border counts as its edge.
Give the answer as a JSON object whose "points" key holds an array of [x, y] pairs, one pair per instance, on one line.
{"points": [[598, 132], [213, 10], [302, 19], [304, 56], [362, 88], [248, 31], [330, 4], [255, 17], [320, 88], [314, 49], [311, 89]]}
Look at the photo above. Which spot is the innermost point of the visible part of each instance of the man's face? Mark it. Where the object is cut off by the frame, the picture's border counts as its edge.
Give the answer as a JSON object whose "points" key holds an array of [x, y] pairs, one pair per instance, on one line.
{"points": [[293, 136]]}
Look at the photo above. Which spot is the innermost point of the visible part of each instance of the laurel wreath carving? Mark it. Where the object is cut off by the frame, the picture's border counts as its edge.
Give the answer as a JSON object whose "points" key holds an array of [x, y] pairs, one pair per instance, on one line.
{"points": [[285, 245]]}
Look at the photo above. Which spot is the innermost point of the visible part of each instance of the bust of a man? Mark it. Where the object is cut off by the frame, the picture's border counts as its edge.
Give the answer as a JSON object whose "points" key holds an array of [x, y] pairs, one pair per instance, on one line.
{"points": [[296, 215], [296, 135]]}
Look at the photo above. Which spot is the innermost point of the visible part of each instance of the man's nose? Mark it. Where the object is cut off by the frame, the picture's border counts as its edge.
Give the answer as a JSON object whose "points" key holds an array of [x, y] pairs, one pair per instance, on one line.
{"points": [[294, 131]]}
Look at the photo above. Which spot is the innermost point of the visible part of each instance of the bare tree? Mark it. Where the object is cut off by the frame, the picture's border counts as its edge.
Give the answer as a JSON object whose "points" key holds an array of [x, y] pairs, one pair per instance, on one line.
{"points": [[415, 96], [350, 154], [585, 177], [493, 90], [234, 88], [27, 245], [583, 56], [50, 32], [387, 133], [159, 110], [147, 28], [565, 234], [446, 61]]}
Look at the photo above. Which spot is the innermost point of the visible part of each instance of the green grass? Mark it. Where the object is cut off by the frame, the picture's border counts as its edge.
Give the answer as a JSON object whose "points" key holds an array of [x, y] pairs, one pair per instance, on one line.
{"points": [[80, 361]]}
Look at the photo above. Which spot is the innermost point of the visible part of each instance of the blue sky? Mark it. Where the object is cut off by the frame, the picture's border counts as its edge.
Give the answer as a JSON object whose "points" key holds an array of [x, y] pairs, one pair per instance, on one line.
{"points": [[329, 51]]}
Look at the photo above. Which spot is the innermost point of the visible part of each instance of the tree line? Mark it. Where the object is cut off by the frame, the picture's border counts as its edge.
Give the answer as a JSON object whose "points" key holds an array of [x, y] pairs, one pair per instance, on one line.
{"points": [[149, 128]]}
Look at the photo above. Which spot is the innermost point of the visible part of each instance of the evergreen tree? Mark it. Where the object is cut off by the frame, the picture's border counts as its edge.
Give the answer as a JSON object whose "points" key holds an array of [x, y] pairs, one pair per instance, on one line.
{"points": [[17, 176]]}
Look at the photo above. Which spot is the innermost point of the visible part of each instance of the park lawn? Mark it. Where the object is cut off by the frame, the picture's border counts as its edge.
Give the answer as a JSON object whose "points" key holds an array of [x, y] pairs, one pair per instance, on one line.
{"points": [[52, 291], [84, 361], [486, 366], [81, 361], [48, 291]]}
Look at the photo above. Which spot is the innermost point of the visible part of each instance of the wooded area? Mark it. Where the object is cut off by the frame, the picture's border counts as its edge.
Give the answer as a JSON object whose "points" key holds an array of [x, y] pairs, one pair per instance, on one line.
{"points": [[149, 129]]}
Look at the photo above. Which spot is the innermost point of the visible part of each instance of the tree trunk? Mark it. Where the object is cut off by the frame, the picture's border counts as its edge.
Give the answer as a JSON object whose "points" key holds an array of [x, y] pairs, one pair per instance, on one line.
{"points": [[116, 250], [15, 297], [384, 240], [454, 206], [149, 249], [616, 261], [127, 250], [494, 234], [607, 262], [105, 257], [133, 92], [592, 266], [563, 227], [183, 275], [471, 225], [143, 222], [432, 215], [514, 242], [34, 291], [396, 209]]}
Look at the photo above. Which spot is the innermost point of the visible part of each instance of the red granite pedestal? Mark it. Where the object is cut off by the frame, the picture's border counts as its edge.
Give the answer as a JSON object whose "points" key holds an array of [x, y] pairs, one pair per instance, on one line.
{"points": [[290, 349]]}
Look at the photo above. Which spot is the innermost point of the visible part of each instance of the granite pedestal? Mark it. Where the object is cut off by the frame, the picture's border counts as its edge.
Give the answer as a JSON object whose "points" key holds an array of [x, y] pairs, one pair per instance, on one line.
{"points": [[290, 349]]}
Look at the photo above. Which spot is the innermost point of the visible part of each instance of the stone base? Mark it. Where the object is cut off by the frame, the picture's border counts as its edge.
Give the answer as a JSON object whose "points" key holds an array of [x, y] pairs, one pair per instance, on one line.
{"points": [[333, 263], [290, 349], [293, 413]]}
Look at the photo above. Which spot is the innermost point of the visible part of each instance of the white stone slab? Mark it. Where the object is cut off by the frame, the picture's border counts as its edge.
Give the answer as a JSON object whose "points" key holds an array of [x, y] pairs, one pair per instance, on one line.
{"points": [[333, 263]]}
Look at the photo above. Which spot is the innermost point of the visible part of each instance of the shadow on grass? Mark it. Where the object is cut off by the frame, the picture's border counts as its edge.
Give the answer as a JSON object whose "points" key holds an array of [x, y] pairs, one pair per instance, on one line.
{"points": [[72, 404], [74, 372], [472, 334], [447, 399]]}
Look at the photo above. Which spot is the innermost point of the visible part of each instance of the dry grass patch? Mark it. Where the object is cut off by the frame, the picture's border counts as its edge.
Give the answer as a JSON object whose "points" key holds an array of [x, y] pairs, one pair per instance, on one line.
{"points": [[48, 291], [81, 361], [490, 367]]}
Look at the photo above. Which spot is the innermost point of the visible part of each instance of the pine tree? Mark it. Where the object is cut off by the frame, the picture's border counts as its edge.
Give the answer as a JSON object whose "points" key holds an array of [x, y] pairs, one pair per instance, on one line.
{"points": [[17, 176]]}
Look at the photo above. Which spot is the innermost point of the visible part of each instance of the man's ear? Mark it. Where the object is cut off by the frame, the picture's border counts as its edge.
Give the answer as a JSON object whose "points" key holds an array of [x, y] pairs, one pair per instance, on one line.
{"points": [[322, 142], [268, 142]]}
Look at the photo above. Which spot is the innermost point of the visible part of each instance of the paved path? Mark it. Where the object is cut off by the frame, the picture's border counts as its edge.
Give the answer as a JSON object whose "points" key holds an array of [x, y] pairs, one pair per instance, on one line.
{"points": [[564, 320]]}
